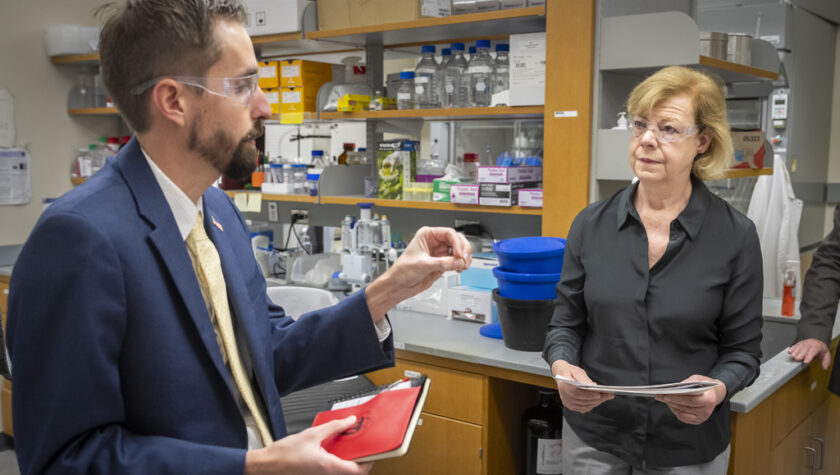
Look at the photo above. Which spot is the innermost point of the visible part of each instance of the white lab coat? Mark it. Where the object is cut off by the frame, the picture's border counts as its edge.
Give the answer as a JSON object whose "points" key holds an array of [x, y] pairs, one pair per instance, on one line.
{"points": [[776, 212]]}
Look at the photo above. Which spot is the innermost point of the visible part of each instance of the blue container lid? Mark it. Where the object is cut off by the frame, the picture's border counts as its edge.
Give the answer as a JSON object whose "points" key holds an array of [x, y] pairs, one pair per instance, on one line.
{"points": [[365, 205], [457, 46], [313, 176], [530, 247], [317, 153], [502, 47], [362, 149], [276, 165], [446, 52], [526, 278], [406, 74], [428, 49], [472, 49], [298, 165], [482, 44]]}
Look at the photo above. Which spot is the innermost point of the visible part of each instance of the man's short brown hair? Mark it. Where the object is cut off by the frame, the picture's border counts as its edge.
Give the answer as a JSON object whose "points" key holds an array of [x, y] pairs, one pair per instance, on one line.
{"points": [[146, 39]]}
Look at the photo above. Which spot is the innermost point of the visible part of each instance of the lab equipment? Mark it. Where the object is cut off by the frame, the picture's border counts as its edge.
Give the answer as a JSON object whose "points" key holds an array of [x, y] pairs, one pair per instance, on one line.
{"points": [[480, 70], [405, 94], [427, 80], [455, 93]]}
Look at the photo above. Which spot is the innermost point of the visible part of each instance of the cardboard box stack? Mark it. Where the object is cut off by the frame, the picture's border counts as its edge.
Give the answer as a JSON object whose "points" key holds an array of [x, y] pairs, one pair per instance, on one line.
{"points": [[299, 83]]}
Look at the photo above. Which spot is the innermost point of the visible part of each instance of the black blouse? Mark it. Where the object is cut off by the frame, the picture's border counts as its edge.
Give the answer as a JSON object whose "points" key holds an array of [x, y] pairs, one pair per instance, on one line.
{"points": [[697, 311]]}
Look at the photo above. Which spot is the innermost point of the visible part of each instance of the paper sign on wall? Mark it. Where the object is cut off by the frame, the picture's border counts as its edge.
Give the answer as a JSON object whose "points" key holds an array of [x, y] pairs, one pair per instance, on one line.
{"points": [[14, 177]]}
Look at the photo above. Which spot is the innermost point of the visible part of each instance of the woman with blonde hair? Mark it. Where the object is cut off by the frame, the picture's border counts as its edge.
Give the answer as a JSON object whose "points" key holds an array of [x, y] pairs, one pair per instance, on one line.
{"points": [[661, 283]]}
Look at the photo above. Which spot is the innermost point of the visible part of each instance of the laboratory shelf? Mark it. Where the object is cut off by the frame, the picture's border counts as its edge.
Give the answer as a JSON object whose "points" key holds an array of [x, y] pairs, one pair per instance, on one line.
{"points": [[110, 111], [435, 205], [748, 172], [425, 30], [290, 198], [500, 112], [639, 44], [78, 59]]}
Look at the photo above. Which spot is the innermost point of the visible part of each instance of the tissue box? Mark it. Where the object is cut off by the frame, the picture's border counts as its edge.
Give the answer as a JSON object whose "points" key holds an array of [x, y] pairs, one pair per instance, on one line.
{"points": [[469, 303], [441, 189], [464, 194], [509, 174], [502, 194], [531, 197]]}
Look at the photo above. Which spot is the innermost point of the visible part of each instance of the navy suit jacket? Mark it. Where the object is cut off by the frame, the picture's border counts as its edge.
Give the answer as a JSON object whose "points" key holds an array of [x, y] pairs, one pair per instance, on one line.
{"points": [[116, 364]]}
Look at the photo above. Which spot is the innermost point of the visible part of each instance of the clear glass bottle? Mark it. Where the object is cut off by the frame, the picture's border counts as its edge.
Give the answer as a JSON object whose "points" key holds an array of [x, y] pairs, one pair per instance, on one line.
{"points": [[445, 57], [502, 78], [455, 93], [299, 174], [427, 80], [480, 70], [405, 94]]}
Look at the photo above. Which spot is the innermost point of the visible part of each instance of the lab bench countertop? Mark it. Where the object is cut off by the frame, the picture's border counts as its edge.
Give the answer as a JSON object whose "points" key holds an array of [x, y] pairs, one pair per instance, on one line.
{"points": [[436, 335]]}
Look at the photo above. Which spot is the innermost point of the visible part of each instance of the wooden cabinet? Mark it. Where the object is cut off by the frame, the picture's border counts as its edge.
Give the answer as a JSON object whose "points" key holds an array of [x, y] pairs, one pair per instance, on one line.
{"points": [[6, 392], [794, 431], [471, 423]]}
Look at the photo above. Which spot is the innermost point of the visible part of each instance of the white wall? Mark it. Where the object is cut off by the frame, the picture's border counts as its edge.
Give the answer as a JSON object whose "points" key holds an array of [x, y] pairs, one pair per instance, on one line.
{"points": [[40, 92]]}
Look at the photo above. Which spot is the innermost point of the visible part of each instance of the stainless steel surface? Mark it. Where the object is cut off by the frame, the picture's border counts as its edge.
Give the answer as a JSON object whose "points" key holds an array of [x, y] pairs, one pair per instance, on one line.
{"points": [[713, 44]]}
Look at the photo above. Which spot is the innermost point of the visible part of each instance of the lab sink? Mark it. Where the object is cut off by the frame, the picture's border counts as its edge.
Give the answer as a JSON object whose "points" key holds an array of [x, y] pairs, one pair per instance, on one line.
{"points": [[777, 335]]}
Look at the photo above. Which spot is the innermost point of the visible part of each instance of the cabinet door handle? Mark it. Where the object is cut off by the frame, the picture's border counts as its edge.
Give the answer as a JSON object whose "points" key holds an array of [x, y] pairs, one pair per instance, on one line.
{"points": [[813, 452], [822, 450]]}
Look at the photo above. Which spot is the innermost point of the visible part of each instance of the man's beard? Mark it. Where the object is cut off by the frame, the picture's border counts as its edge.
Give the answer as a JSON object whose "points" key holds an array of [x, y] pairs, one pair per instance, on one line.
{"points": [[235, 159]]}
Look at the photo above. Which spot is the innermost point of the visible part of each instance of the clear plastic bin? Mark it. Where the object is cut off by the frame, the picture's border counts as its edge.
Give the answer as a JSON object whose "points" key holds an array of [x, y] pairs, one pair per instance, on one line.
{"points": [[418, 192]]}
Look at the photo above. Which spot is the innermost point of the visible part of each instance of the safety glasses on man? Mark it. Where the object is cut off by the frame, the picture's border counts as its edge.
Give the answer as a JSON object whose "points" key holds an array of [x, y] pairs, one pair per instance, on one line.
{"points": [[664, 131], [238, 89]]}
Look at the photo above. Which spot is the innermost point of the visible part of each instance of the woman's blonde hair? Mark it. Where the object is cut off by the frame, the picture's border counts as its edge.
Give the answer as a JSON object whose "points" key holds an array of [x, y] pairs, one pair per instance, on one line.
{"points": [[709, 112]]}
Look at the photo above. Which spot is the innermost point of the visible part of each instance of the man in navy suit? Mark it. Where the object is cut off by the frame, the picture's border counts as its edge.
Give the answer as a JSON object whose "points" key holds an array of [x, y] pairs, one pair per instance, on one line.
{"points": [[118, 367]]}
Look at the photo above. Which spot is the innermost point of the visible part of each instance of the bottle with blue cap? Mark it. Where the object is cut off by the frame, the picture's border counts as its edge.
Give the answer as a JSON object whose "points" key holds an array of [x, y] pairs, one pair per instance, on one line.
{"points": [[445, 57], [502, 79], [427, 80], [481, 70], [405, 94], [455, 93]]}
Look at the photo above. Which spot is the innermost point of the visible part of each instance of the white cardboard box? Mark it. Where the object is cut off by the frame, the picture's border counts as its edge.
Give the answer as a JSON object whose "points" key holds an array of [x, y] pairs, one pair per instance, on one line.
{"points": [[268, 17], [468, 303], [527, 69], [531, 197], [490, 174], [502, 194], [463, 194]]}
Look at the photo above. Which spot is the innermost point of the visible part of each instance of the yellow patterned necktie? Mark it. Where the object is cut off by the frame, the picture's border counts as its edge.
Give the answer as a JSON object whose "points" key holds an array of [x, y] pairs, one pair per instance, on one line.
{"points": [[208, 269]]}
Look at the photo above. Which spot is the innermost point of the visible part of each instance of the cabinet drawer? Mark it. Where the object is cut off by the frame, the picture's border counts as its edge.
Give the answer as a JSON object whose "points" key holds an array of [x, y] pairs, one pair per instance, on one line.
{"points": [[797, 399], [453, 394], [440, 445], [6, 404]]}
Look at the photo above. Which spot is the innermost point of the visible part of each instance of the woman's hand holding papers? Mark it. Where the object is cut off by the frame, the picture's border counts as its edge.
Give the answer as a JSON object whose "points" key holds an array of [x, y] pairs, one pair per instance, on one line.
{"points": [[695, 408], [578, 400]]}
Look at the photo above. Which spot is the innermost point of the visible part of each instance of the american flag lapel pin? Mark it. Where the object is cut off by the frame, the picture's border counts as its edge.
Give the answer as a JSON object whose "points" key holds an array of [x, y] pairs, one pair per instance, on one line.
{"points": [[217, 224]]}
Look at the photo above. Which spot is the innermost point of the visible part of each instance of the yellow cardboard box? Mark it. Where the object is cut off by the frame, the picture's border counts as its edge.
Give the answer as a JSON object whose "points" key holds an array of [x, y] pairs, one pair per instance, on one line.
{"points": [[303, 73], [353, 103], [273, 96], [267, 74], [298, 99]]}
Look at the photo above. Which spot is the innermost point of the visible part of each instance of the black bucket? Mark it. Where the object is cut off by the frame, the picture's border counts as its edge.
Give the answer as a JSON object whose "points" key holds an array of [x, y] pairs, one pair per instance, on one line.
{"points": [[524, 322]]}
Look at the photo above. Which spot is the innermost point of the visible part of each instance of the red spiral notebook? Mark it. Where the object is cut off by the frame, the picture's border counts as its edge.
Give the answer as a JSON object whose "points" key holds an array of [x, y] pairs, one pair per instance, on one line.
{"points": [[385, 421]]}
